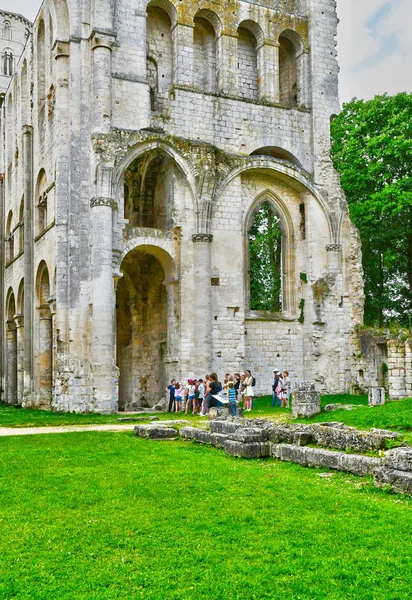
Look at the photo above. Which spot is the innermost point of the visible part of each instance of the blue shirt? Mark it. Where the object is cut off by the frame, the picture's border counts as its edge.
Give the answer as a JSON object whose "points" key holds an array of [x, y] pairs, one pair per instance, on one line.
{"points": [[172, 390], [232, 395]]}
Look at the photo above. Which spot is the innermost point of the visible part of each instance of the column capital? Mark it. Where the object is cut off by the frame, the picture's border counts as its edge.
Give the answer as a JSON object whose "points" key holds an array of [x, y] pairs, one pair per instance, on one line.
{"points": [[202, 237], [19, 321], [103, 39], [333, 248], [101, 201], [10, 325]]}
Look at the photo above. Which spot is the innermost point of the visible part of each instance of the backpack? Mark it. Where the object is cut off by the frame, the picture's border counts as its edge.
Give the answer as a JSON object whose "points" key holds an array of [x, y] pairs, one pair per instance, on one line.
{"points": [[253, 382]]}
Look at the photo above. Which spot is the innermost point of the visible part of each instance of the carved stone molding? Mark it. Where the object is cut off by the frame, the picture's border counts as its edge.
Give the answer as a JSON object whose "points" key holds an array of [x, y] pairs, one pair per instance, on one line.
{"points": [[103, 39], [333, 248], [202, 237], [104, 202]]}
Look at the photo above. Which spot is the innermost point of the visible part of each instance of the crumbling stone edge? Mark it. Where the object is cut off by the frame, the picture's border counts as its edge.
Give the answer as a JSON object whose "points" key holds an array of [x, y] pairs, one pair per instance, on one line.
{"points": [[259, 438]]}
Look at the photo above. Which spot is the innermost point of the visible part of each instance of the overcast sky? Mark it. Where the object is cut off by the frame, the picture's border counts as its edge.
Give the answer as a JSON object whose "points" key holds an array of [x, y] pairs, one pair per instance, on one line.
{"points": [[374, 44]]}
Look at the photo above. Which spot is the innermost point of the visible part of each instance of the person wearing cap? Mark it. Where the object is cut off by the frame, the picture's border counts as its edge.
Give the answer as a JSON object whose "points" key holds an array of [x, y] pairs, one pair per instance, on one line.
{"points": [[276, 399]]}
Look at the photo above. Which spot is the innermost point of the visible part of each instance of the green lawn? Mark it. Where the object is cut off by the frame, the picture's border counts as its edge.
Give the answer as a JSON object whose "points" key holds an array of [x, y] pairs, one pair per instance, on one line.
{"points": [[108, 515]]}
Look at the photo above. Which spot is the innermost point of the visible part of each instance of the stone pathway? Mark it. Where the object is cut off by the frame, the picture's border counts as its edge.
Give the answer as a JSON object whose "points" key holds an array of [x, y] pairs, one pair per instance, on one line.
{"points": [[9, 431]]}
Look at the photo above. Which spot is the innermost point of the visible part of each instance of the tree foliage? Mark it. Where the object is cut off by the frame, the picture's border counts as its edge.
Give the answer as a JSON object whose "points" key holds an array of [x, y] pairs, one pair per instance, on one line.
{"points": [[372, 150], [265, 249]]}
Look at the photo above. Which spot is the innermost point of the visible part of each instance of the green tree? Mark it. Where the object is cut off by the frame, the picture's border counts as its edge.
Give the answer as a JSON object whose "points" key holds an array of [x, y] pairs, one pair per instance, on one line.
{"points": [[265, 249], [372, 150]]}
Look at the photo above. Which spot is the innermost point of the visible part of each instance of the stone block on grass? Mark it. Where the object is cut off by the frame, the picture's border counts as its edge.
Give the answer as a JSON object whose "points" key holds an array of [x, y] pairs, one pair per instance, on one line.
{"points": [[249, 434], [201, 436], [154, 432], [187, 433], [226, 426], [376, 396], [399, 459], [247, 450], [400, 481], [217, 440]]}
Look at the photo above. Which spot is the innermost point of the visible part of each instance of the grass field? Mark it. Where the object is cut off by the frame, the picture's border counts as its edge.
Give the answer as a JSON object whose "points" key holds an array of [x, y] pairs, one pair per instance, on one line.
{"points": [[108, 515]]}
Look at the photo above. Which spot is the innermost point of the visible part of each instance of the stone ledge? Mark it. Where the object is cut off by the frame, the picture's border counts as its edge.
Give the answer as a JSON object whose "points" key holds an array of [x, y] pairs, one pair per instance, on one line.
{"points": [[320, 457], [400, 481], [247, 450], [155, 432]]}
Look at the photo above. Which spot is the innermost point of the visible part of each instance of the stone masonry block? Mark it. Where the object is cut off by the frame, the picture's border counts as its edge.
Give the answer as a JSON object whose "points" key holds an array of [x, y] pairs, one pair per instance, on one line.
{"points": [[187, 433], [249, 434], [201, 436], [217, 440], [154, 432], [247, 450], [400, 481], [399, 459]]}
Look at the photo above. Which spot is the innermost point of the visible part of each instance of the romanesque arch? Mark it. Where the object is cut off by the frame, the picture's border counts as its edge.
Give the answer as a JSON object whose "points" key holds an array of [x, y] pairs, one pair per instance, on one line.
{"points": [[292, 74], [41, 220], [250, 40], [9, 237], [11, 349], [145, 317], [205, 50], [19, 320], [41, 72], [43, 336], [277, 152]]}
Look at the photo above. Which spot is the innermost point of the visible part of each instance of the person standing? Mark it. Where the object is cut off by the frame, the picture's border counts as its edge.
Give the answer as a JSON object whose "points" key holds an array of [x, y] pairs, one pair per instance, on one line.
{"points": [[178, 397], [249, 393], [232, 398], [171, 389], [286, 387], [276, 398]]}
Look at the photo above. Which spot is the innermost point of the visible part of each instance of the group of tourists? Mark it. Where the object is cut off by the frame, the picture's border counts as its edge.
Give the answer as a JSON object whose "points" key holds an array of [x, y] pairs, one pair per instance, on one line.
{"points": [[199, 395]]}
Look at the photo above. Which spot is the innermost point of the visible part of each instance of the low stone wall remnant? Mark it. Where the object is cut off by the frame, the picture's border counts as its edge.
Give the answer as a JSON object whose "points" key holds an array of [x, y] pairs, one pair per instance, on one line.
{"points": [[305, 400]]}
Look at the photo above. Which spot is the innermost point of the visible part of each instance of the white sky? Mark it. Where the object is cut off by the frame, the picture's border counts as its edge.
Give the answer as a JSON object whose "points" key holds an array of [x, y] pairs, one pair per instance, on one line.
{"points": [[374, 44]]}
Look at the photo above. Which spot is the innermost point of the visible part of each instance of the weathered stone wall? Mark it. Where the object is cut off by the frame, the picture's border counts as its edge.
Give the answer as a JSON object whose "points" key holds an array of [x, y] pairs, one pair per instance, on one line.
{"points": [[125, 86], [14, 32]]}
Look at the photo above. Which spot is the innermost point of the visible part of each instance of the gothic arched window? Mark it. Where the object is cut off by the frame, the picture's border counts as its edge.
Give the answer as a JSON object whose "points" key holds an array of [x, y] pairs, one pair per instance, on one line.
{"points": [[7, 63], [7, 30]]}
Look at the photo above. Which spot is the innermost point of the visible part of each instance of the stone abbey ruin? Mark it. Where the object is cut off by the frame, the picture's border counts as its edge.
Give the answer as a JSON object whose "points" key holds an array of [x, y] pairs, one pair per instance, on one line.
{"points": [[139, 144]]}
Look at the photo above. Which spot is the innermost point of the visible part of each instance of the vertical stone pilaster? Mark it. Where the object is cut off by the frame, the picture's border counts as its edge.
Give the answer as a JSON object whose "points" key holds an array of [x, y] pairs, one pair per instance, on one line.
{"points": [[19, 321], [203, 350], [102, 81], [183, 66], [268, 59], [408, 368], [11, 357], [228, 65], [44, 357], [333, 254], [396, 369], [303, 78], [104, 371], [29, 291]]}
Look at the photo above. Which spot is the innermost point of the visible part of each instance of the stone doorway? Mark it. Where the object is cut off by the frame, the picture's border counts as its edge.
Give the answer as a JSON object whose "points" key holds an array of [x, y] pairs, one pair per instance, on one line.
{"points": [[141, 317]]}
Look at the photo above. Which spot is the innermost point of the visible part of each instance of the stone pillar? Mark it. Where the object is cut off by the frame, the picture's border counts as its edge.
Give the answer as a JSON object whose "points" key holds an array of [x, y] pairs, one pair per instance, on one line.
{"points": [[11, 357], [268, 60], [376, 396], [183, 66], [228, 65], [396, 369], [305, 400], [104, 372], [29, 291], [333, 254], [303, 78], [19, 321], [408, 368], [202, 352], [44, 356], [102, 81]]}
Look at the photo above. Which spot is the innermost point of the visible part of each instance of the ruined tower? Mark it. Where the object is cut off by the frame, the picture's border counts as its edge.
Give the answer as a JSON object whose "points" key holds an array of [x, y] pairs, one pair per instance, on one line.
{"points": [[139, 146]]}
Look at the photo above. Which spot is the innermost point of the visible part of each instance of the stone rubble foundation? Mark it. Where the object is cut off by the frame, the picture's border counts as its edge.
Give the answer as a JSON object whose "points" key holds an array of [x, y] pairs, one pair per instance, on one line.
{"points": [[329, 444]]}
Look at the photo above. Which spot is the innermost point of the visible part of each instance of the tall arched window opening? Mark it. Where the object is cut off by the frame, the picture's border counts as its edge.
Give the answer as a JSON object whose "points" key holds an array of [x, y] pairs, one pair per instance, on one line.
{"points": [[265, 260], [292, 69], [41, 206], [7, 31], [159, 56], [247, 64], [11, 350], [41, 72], [8, 63], [9, 238], [21, 226], [204, 45]]}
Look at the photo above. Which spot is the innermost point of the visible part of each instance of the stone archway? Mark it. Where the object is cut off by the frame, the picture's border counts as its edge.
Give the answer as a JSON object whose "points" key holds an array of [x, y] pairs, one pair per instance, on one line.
{"points": [[143, 309]]}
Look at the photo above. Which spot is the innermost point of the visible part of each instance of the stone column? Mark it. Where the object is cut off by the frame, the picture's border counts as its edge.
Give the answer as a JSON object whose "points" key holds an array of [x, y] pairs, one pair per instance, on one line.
{"points": [[44, 356], [333, 254], [29, 291], [19, 321], [11, 356], [202, 354], [408, 367], [105, 376], [228, 65], [396, 369], [183, 66], [305, 400], [102, 81], [268, 59], [303, 78]]}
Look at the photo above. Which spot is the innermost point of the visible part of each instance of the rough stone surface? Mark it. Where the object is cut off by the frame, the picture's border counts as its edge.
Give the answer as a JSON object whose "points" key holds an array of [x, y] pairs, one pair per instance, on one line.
{"points": [[249, 434], [201, 436], [332, 407], [376, 396], [226, 426], [348, 438], [107, 268], [247, 450], [320, 457], [155, 432], [305, 400], [400, 481], [217, 440], [188, 433], [399, 459]]}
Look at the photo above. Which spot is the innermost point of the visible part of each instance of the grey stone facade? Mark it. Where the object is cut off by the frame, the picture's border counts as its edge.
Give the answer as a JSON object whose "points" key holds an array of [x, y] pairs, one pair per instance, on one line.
{"points": [[138, 143]]}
